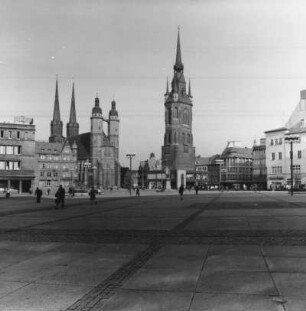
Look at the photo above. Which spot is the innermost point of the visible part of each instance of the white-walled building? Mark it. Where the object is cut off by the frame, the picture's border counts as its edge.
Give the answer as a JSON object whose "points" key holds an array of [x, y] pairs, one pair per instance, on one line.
{"points": [[278, 151]]}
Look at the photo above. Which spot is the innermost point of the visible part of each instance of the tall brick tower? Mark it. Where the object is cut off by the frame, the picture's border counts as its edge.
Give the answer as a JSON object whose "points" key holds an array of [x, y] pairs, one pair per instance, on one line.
{"points": [[56, 124], [178, 153]]}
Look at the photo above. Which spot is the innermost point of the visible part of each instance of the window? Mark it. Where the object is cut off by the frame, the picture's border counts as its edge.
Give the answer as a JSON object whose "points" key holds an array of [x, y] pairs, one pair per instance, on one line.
{"points": [[10, 134], [18, 135], [272, 142], [2, 149], [296, 169], [183, 138], [42, 174], [280, 156], [176, 112], [299, 154], [42, 157], [169, 116], [273, 156], [185, 116], [1, 134], [280, 141], [9, 150], [276, 141]]}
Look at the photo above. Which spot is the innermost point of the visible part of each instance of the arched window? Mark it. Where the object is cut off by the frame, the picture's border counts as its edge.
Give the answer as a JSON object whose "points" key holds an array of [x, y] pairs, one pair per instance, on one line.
{"points": [[185, 116], [188, 139], [176, 112], [169, 116]]}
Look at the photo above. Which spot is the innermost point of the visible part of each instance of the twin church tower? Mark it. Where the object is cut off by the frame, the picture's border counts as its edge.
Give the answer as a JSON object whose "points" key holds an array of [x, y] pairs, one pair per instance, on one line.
{"points": [[97, 151]]}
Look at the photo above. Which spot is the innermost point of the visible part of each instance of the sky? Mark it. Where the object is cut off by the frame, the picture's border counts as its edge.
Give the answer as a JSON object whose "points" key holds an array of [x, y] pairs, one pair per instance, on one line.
{"points": [[246, 61]]}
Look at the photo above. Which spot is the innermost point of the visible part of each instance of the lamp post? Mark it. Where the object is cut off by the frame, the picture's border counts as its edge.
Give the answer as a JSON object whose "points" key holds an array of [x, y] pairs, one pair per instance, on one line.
{"points": [[130, 156], [291, 139]]}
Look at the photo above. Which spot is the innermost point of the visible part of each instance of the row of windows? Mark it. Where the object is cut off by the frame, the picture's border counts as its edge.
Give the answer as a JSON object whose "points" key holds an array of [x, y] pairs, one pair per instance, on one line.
{"points": [[53, 183], [276, 141], [174, 114], [54, 158], [10, 149], [279, 169], [185, 138], [10, 165], [10, 134], [48, 174], [280, 155], [56, 166]]}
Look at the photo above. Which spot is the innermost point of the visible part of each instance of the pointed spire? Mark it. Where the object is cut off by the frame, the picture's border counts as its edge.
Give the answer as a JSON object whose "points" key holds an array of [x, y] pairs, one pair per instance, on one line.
{"points": [[178, 66], [167, 87], [72, 118], [189, 89], [56, 111]]}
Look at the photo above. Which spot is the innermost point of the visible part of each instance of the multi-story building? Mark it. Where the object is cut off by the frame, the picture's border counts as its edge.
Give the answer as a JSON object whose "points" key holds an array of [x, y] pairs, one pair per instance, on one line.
{"points": [[237, 166], [278, 150], [259, 164], [178, 152], [151, 174], [17, 154], [56, 165]]}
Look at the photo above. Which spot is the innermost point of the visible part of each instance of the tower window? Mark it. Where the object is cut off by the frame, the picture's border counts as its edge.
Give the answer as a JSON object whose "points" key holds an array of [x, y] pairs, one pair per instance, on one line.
{"points": [[185, 116], [169, 116], [176, 112]]}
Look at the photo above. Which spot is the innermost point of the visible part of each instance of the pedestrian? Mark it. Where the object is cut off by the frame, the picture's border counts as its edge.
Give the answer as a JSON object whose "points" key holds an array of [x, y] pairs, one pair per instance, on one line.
{"points": [[196, 189], [92, 196], [60, 196], [38, 194], [137, 191], [48, 191], [181, 191]]}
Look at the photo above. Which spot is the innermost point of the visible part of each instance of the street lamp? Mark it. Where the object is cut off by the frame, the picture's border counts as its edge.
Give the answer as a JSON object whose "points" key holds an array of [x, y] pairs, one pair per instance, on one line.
{"points": [[291, 139], [130, 156]]}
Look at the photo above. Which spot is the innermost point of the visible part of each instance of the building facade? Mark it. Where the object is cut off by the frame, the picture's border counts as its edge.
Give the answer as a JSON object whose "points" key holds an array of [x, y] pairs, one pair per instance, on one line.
{"points": [[178, 152], [278, 151], [237, 166], [259, 164], [56, 165], [17, 154], [97, 151]]}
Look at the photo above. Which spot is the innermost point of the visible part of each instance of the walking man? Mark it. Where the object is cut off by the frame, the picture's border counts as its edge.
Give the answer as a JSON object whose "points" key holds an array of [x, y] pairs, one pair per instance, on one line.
{"points": [[181, 191], [38, 194], [92, 196], [60, 196]]}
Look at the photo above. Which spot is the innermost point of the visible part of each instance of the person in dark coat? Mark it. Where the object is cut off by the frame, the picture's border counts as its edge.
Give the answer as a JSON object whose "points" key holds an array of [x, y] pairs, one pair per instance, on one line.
{"points": [[181, 191], [137, 191], [92, 195], [196, 189], [38, 194], [60, 196]]}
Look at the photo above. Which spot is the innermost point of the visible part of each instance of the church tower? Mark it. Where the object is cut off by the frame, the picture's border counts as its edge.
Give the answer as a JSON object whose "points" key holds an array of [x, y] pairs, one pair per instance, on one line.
{"points": [[96, 139], [72, 126], [113, 135], [56, 125], [178, 153], [113, 129]]}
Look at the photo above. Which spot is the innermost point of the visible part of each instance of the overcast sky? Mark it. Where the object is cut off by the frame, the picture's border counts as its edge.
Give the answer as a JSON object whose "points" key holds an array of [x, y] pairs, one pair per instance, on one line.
{"points": [[246, 61]]}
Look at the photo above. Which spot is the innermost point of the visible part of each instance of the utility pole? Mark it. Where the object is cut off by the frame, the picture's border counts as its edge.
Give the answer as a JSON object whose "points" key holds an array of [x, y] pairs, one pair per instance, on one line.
{"points": [[131, 156]]}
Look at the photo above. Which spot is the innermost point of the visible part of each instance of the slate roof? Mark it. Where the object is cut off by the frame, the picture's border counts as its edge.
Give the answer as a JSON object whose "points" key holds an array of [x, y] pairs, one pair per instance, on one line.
{"points": [[42, 147], [277, 130]]}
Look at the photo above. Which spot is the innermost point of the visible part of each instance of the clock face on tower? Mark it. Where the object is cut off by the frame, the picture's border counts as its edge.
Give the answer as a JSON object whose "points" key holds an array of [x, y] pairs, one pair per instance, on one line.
{"points": [[175, 97]]}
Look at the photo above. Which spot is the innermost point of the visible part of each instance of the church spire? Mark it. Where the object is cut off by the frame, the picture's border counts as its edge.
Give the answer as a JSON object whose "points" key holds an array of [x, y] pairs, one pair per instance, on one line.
{"points": [[178, 66], [189, 89], [72, 126], [56, 125], [72, 118], [56, 111], [167, 87]]}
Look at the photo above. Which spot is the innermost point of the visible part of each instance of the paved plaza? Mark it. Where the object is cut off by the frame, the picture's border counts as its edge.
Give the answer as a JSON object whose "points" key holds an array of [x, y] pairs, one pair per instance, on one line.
{"points": [[216, 251]]}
